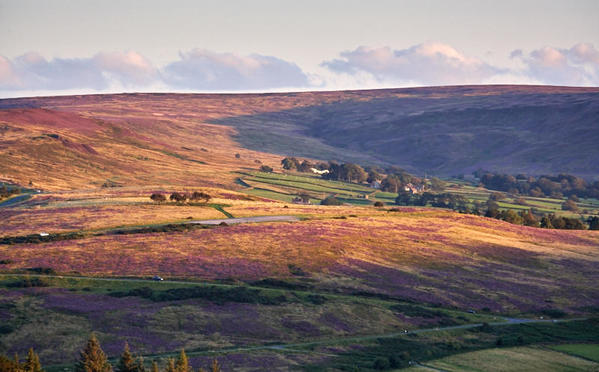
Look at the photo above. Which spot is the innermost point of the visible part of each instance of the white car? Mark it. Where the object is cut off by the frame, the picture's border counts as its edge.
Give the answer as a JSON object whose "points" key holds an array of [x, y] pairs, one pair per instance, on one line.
{"points": [[157, 278]]}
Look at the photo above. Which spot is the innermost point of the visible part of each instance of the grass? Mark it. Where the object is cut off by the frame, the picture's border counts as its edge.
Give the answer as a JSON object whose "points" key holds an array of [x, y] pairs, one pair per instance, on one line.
{"points": [[513, 359], [587, 351]]}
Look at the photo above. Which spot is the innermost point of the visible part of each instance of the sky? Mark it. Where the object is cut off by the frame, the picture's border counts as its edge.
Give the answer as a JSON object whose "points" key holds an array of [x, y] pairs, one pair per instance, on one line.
{"points": [[83, 46]]}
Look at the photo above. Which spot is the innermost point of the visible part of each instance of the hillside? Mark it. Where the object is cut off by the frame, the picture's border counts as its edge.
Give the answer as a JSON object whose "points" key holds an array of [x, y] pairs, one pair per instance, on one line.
{"points": [[192, 139]]}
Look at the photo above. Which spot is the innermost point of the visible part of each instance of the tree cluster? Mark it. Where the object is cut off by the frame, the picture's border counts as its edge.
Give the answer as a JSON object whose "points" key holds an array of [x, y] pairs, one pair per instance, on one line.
{"points": [[5, 191], [31, 363], [550, 186], [444, 200], [93, 359], [181, 197], [291, 163]]}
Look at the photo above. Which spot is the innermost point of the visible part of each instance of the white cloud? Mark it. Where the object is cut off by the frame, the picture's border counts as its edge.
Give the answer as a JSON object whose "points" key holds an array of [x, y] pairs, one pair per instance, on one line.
{"points": [[195, 70], [429, 63], [578, 66], [102, 71], [206, 70]]}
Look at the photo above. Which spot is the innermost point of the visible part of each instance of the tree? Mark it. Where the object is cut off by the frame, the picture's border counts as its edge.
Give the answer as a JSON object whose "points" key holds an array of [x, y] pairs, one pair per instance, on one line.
{"points": [[593, 223], [353, 173], [570, 205], [373, 175], [170, 365], [528, 218], [182, 364], [305, 166], [546, 223], [290, 163], [305, 197], [266, 168], [178, 197], [92, 358], [379, 204], [126, 363], [154, 366], [200, 196], [158, 198], [32, 363], [391, 183], [215, 367], [437, 184], [331, 200]]}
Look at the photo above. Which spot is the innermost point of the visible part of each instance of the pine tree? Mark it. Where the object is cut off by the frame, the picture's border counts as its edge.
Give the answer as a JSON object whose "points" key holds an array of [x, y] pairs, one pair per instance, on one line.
{"points": [[215, 367], [170, 365], [139, 364], [92, 358], [182, 362], [32, 364], [126, 363]]}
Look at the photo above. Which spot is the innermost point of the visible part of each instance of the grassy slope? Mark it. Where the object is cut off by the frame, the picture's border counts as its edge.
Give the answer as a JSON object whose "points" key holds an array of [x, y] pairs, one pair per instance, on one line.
{"points": [[408, 254], [147, 139], [513, 359]]}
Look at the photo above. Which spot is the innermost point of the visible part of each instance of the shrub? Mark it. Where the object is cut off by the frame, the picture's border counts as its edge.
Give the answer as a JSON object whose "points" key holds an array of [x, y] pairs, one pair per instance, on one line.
{"points": [[331, 200], [178, 197], [266, 168], [200, 196], [381, 363], [28, 283], [379, 204], [158, 198]]}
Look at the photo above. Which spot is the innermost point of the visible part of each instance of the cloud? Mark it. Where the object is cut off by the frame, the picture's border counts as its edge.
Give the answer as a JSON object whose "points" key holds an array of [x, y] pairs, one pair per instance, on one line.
{"points": [[578, 65], [429, 63], [33, 71], [206, 70], [197, 69]]}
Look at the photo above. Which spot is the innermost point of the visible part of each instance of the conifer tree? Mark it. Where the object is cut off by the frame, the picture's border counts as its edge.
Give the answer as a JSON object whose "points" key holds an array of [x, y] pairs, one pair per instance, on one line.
{"points": [[139, 364], [170, 365], [154, 366], [92, 358], [32, 363], [215, 367], [182, 362], [126, 363]]}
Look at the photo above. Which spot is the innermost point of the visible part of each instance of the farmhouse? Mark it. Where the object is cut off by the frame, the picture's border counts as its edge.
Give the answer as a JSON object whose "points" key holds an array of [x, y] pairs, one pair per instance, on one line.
{"points": [[413, 189], [318, 171]]}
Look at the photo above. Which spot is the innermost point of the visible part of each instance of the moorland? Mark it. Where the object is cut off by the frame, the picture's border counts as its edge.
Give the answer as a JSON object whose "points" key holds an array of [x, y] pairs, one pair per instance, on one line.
{"points": [[380, 281]]}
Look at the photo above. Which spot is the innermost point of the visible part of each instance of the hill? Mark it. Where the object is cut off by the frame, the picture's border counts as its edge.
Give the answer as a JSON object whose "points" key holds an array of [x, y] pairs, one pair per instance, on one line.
{"points": [[141, 139]]}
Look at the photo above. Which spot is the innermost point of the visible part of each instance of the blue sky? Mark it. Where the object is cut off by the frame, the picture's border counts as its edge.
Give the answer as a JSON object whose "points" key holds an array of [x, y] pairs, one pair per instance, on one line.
{"points": [[82, 46]]}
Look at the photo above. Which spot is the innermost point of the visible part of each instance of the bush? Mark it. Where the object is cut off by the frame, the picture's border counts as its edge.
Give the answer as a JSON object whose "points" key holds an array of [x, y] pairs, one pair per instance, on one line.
{"points": [[178, 197], [158, 198], [381, 363], [331, 200], [28, 283], [379, 204], [266, 168], [200, 196]]}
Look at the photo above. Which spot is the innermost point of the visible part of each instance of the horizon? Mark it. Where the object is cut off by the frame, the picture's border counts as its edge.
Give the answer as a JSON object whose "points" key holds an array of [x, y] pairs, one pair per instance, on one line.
{"points": [[282, 92], [269, 46]]}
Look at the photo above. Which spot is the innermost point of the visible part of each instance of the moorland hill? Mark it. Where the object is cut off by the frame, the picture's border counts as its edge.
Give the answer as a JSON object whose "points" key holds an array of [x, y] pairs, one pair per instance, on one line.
{"points": [[195, 139]]}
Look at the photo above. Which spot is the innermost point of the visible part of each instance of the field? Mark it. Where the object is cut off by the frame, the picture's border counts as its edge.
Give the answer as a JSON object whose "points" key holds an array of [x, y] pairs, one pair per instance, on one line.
{"points": [[286, 186], [512, 359], [587, 351]]}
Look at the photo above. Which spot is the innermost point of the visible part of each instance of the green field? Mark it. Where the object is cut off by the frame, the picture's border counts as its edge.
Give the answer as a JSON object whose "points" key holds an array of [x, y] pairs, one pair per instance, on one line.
{"points": [[512, 359], [286, 186], [587, 351]]}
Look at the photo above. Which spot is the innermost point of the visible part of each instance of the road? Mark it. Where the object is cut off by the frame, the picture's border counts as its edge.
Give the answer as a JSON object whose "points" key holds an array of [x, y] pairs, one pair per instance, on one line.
{"points": [[15, 200], [232, 221]]}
